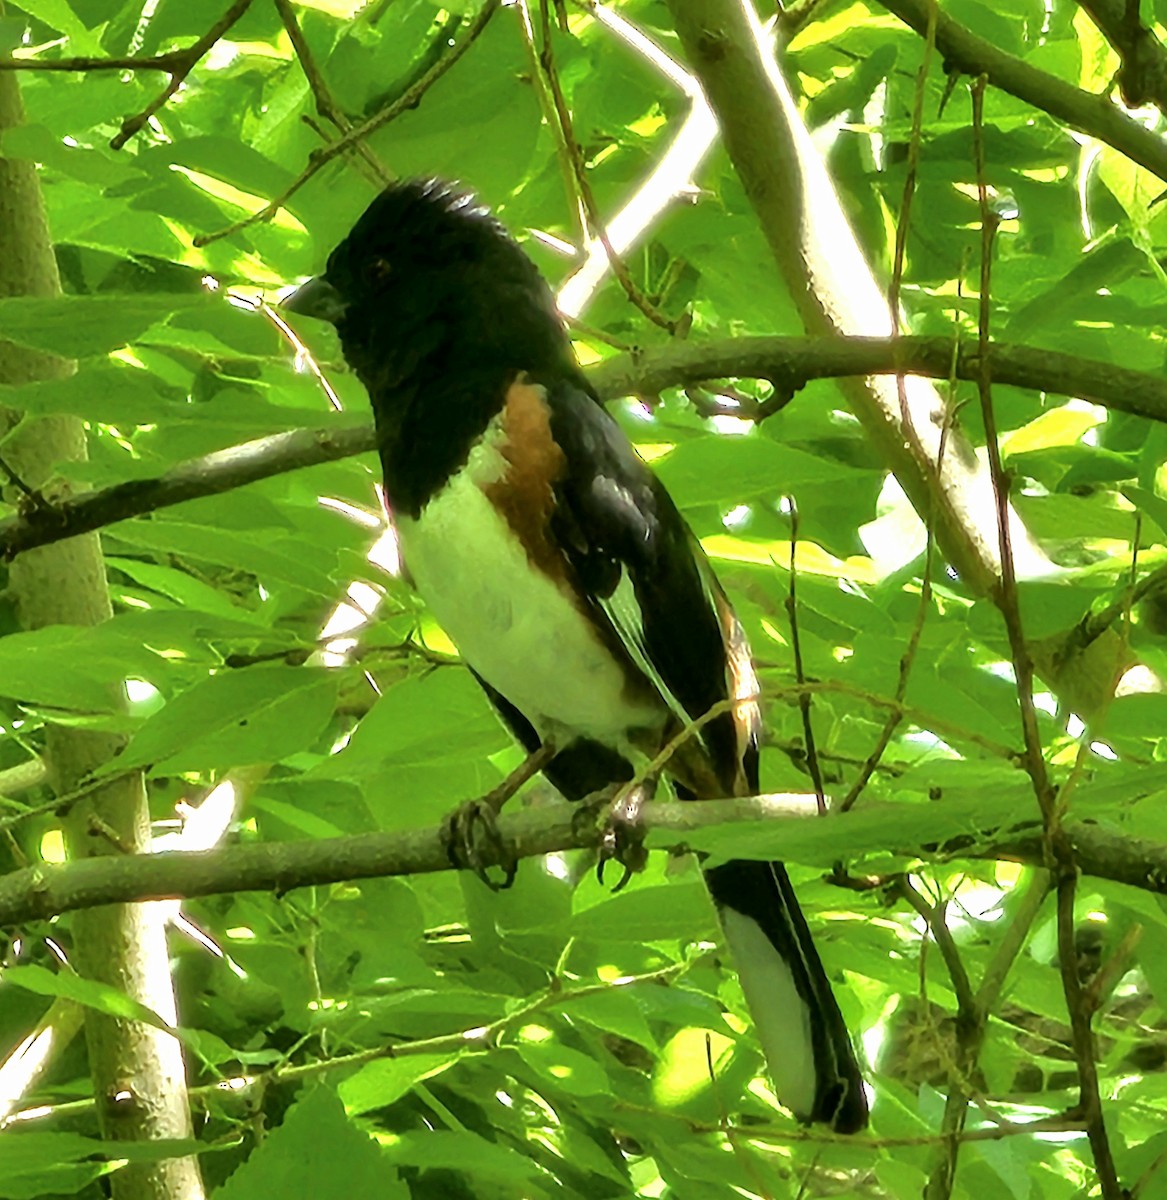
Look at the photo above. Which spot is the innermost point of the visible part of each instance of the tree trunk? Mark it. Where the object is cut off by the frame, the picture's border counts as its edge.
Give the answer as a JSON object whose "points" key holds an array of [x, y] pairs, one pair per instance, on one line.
{"points": [[137, 1071]]}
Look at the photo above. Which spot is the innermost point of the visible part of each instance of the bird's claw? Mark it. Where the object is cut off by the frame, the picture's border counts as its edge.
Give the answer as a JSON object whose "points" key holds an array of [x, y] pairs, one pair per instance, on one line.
{"points": [[474, 843], [622, 835]]}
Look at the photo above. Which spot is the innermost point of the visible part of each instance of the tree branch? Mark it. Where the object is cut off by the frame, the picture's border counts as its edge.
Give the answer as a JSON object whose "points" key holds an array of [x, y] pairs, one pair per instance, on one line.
{"points": [[789, 362], [1084, 111], [792, 362], [184, 64], [47, 890], [219, 471], [1142, 78]]}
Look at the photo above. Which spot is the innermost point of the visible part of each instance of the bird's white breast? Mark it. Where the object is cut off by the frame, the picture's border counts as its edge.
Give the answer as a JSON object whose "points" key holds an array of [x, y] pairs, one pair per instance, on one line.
{"points": [[511, 622]]}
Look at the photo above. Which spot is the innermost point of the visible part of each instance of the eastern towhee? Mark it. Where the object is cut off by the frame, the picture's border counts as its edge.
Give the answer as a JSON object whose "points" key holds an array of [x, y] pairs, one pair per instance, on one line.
{"points": [[561, 569]]}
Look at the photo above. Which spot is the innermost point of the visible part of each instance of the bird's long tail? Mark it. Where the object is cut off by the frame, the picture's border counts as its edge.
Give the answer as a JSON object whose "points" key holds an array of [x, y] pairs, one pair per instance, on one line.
{"points": [[807, 1047]]}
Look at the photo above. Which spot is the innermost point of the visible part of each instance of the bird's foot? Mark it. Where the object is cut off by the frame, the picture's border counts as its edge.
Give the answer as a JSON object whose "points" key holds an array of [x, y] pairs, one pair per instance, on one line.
{"points": [[471, 835], [473, 843], [622, 833]]}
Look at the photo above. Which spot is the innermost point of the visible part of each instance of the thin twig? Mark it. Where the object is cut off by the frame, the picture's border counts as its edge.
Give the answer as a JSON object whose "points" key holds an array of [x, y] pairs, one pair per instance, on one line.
{"points": [[1006, 590], [599, 335], [671, 177], [168, 63], [905, 217], [821, 1135], [550, 116], [1082, 1040], [23, 776], [1058, 847], [478, 1040], [60, 805], [326, 105], [1112, 970], [971, 1035], [738, 1146], [185, 61], [804, 706], [908, 658], [1095, 624], [933, 916], [1086, 111], [584, 188], [1013, 939], [534, 762], [31, 495], [322, 156]]}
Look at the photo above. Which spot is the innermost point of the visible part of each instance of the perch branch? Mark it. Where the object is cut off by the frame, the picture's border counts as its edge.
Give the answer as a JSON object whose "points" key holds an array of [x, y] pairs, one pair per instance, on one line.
{"points": [[1089, 113], [39, 892]]}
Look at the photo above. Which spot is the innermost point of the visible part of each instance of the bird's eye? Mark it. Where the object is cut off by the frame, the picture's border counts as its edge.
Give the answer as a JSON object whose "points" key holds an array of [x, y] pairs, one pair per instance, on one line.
{"points": [[378, 270]]}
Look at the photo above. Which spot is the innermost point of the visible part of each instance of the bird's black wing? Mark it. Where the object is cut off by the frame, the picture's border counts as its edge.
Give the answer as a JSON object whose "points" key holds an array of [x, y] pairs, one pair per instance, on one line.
{"points": [[644, 573], [641, 567]]}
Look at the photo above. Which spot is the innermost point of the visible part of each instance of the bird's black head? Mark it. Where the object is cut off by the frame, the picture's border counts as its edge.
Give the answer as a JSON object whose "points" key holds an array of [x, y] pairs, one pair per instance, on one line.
{"points": [[427, 284]]}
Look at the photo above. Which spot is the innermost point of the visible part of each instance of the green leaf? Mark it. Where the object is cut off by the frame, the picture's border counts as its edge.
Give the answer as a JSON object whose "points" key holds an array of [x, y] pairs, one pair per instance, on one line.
{"points": [[78, 326], [617, 1010], [424, 720], [673, 910], [101, 391], [182, 587], [60, 16], [258, 553], [1140, 715], [480, 1160], [730, 470], [566, 1069], [1046, 609], [380, 1083], [98, 996], [34, 1165], [66, 667], [873, 829], [1063, 426], [235, 717], [683, 1069], [317, 1153]]}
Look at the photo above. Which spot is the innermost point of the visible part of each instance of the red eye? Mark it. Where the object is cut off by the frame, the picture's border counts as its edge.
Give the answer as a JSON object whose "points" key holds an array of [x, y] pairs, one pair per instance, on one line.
{"points": [[378, 270]]}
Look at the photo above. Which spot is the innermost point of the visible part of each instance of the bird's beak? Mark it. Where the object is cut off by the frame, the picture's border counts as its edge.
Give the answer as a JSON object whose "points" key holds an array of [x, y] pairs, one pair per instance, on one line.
{"points": [[316, 298]]}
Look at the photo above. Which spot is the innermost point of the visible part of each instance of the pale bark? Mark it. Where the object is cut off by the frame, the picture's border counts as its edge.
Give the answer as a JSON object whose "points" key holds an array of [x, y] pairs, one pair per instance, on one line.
{"points": [[137, 1071], [831, 283]]}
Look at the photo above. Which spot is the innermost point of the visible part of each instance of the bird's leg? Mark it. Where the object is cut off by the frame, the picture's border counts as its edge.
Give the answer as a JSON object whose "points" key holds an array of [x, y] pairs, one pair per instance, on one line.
{"points": [[471, 834]]}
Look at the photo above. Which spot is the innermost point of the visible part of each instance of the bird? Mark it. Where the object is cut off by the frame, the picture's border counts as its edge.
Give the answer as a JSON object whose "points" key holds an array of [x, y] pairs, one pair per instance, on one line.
{"points": [[562, 570]]}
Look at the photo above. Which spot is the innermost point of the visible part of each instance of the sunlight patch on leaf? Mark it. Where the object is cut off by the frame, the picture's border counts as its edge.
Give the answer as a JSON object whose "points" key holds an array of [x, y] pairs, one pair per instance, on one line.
{"points": [[237, 197], [1062, 426], [808, 557], [682, 1071]]}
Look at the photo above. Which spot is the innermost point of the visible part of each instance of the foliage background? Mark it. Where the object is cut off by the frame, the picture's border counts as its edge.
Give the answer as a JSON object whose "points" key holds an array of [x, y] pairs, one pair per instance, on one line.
{"points": [[584, 1088]]}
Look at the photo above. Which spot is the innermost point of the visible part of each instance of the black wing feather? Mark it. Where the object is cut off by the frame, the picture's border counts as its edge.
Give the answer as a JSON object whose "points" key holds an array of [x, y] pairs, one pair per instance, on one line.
{"points": [[618, 527]]}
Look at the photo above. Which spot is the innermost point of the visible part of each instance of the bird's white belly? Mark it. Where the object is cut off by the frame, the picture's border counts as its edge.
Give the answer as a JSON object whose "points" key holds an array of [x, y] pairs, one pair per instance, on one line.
{"points": [[511, 622]]}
